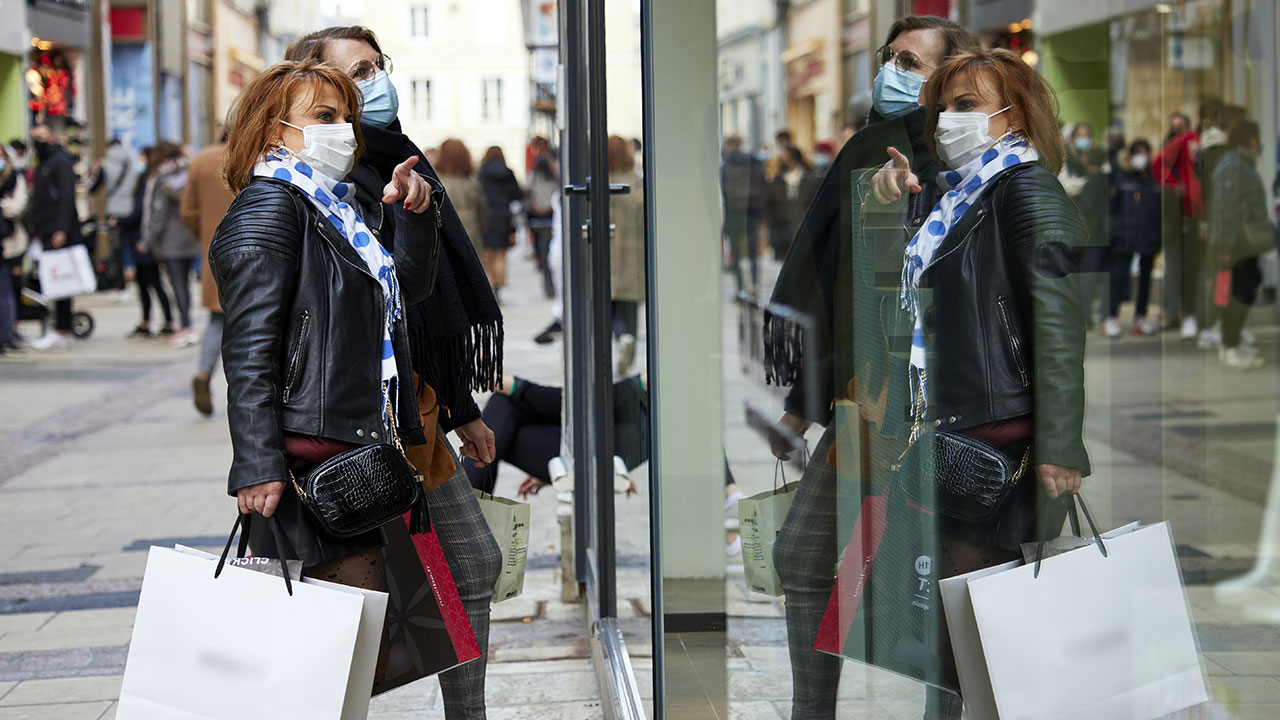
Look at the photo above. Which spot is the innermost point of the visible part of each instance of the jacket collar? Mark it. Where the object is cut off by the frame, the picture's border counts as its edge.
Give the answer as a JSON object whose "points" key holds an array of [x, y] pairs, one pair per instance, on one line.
{"points": [[962, 230]]}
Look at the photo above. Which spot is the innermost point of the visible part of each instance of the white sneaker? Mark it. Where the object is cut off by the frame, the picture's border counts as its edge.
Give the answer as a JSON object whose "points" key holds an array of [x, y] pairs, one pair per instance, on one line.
{"points": [[1189, 327], [50, 341], [561, 479], [621, 476], [1210, 339], [626, 354], [1111, 328], [1240, 358], [1145, 327], [184, 338], [1247, 339]]}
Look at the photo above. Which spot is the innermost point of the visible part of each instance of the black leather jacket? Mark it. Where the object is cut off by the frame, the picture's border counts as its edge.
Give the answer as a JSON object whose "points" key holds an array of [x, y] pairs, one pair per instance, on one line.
{"points": [[1003, 319], [304, 318]]}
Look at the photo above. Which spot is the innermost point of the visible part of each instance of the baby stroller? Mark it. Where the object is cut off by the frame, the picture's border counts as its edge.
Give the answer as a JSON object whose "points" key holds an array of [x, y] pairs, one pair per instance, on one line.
{"points": [[35, 306]]}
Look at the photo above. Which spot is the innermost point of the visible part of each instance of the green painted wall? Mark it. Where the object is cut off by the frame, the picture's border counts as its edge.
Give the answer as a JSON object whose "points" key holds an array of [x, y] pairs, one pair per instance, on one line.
{"points": [[13, 97], [1076, 65]]}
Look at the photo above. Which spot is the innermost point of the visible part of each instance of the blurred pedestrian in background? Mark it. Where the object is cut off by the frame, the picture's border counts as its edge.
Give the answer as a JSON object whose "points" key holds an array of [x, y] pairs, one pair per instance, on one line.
{"points": [[1094, 202], [164, 234], [204, 201], [457, 171], [1240, 229], [503, 197], [117, 177], [792, 189], [1134, 235], [544, 183], [742, 184], [141, 263], [13, 245], [1078, 139], [626, 251], [1219, 118], [55, 221], [1174, 168]]}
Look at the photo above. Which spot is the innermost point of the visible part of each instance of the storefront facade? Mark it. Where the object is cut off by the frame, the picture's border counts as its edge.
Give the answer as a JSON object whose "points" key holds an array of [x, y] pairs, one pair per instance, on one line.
{"points": [[1175, 433]]}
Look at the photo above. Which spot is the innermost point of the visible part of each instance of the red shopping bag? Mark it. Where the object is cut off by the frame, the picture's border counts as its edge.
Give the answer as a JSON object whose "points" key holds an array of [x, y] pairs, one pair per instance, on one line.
{"points": [[851, 579], [427, 626]]}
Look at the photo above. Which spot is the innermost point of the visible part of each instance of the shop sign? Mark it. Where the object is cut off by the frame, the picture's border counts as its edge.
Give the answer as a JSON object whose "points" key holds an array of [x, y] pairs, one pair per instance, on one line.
{"points": [[129, 24], [1190, 52]]}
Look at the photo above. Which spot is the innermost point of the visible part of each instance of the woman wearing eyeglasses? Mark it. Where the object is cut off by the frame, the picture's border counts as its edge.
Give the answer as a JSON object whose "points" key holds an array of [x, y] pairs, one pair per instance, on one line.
{"points": [[817, 280], [455, 342], [989, 305]]}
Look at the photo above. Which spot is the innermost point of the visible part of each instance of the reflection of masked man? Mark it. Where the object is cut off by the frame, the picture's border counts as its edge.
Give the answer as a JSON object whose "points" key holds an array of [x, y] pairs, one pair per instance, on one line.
{"points": [[817, 278]]}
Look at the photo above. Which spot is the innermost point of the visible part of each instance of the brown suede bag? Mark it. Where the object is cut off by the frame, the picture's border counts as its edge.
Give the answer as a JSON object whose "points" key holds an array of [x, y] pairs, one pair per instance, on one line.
{"points": [[433, 461]]}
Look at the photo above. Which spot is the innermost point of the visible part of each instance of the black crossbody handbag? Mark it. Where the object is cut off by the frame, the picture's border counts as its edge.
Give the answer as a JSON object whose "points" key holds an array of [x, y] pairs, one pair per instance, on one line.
{"points": [[956, 475], [363, 489]]}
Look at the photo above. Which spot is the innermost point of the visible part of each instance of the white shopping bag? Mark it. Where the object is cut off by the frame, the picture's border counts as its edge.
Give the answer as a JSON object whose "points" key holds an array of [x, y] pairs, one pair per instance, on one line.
{"points": [[1091, 638], [966, 646], [240, 646], [66, 272]]}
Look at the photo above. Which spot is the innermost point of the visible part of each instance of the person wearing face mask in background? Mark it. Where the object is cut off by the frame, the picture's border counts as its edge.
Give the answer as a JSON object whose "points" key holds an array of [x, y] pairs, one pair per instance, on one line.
{"points": [[1134, 232], [302, 260], [817, 280], [455, 344], [1079, 140], [972, 365]]}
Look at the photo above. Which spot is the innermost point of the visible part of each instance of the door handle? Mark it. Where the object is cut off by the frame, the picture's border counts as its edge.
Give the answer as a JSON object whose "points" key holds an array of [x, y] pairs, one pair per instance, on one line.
{"points": [[585, 188], [586, 232]]}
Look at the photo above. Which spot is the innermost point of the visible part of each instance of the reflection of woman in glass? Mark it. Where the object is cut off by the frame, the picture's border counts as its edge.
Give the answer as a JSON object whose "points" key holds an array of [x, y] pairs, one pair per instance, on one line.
{"points": [[996, 325], [626, 251]]}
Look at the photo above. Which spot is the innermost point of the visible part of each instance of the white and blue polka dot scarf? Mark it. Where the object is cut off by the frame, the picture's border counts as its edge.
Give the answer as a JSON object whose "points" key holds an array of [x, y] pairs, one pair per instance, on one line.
{"points": [[963, 186], [329, 195]]}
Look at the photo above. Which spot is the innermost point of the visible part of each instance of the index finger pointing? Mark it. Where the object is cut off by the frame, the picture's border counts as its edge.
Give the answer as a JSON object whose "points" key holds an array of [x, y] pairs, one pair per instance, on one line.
{"points": [[403, 168], [898, 159]]}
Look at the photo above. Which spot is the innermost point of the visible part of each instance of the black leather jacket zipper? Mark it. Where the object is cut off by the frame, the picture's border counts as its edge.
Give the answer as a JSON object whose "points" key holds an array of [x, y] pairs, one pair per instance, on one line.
{"points": [[296, 356], [1015, 348]]}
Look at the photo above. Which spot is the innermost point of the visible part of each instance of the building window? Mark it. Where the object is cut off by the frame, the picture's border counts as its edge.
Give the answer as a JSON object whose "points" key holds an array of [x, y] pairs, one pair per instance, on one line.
{"points": [[491, 99], [420, 99], [418, 22]]}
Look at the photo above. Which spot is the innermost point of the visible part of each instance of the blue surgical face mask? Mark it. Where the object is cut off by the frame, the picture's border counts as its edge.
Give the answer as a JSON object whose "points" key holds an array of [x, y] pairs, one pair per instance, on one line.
{"points": [[3, 164], [381, 104], [896, 92], [1084, 143]]}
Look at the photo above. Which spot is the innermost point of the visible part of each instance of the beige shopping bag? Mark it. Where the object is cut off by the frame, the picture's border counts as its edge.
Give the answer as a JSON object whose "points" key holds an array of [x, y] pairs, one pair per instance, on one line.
{"points": [[509, 521], [759, 518]]}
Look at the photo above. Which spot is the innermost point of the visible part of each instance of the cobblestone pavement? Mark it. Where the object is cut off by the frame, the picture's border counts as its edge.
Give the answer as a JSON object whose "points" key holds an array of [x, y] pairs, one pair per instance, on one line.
{"points": [[102, 456]]}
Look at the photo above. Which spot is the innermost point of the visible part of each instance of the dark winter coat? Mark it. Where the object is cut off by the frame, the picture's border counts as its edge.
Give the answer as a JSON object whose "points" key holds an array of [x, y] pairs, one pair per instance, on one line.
{"points": [[1135, 213], [500, 189], [53, 198]]}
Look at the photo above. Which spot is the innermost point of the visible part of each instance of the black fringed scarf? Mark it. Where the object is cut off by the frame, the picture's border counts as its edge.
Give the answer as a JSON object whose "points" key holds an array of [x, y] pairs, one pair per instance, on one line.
{"points": [[816, 279], [456, 334]]}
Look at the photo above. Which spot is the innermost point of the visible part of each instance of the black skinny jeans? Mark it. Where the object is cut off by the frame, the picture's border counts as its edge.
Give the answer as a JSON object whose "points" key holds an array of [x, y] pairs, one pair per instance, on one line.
{"points": [[180, 278], [147, 276], [1120, 263]]}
